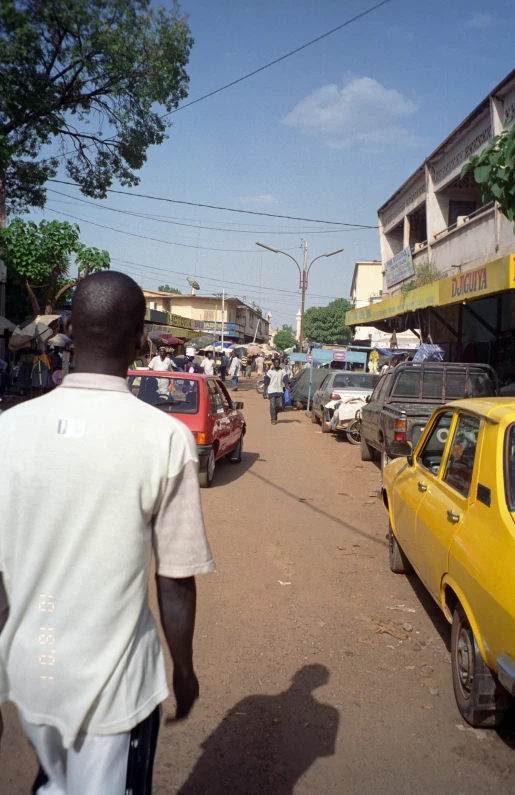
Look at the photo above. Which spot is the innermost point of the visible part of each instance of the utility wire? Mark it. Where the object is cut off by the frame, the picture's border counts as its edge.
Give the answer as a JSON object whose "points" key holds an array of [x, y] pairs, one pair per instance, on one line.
{"points": [[278, 60], [213, 279], [166, 220], [225, 209]]}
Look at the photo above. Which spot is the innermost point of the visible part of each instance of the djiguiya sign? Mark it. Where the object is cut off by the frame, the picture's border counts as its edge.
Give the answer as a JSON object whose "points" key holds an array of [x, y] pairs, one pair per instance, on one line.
{"points": [[399, 268]]}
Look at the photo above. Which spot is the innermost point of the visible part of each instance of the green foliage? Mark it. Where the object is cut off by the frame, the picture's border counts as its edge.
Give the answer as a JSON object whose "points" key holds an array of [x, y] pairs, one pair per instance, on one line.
{"points": [[38, 257], [326, 324], [165, 288], [285, 338], [494, 171], [425, 273], [93, 74]]}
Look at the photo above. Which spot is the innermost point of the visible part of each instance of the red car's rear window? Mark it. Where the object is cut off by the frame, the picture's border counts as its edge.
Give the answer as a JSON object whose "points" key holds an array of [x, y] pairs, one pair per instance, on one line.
{"points": [[173, 395]]}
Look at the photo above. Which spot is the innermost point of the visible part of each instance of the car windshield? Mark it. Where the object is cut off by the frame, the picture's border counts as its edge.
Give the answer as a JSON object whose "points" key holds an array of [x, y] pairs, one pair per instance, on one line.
{"points": [[172, 394], [355, 381]]}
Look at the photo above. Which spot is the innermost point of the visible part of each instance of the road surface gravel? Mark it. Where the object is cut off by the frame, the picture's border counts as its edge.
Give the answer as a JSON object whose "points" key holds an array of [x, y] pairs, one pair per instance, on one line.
{"points": [[320, 670]]}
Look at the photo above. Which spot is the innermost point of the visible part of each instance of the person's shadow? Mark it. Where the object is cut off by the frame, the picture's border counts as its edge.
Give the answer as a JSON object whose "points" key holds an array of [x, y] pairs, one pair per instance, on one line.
{"points": [[266, 743]]}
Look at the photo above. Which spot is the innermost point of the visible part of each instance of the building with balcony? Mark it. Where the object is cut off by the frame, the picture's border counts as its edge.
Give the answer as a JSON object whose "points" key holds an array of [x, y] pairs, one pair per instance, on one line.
{"points": [[242, 322], [447, 258]]}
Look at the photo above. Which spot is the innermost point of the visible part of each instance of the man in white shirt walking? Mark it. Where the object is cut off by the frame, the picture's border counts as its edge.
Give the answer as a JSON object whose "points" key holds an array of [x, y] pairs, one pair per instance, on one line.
{"points": [[234, 371], [208, 364], [162, 363], [80, 655], [275, 380]]}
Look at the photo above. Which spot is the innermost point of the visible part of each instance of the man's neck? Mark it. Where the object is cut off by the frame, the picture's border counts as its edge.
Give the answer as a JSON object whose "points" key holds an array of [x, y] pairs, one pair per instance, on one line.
{"points": [[96, 366]]}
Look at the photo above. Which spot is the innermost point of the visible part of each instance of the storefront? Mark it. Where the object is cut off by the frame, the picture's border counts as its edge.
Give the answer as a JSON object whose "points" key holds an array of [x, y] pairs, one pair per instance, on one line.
{"points": [[471, 315]]}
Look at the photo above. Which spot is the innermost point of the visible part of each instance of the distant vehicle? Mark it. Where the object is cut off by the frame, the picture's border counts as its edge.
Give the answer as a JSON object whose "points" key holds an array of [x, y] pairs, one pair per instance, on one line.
{"points": [[451, 506], [339, 384], [203, 404], [405, 398]]}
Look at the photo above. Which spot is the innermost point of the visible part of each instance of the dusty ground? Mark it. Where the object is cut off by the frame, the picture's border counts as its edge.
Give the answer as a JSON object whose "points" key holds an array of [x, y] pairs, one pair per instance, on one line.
{"points": [[300, 692]]}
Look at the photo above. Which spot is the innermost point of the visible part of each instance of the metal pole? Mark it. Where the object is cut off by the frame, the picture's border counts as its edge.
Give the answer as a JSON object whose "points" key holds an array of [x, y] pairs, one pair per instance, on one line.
{"points": [[303, 285], [223, 314], [310, 382], [3, 271]]}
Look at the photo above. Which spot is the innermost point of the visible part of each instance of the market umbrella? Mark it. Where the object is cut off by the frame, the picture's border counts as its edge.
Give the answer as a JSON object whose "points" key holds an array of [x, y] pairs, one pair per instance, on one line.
{"points": [[26, 333], [254, 350], [6, 325], [201, 342], [59, 340]]}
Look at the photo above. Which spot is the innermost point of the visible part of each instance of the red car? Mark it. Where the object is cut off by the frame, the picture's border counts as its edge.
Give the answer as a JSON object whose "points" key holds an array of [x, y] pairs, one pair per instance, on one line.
{"points": [[203, 404]]}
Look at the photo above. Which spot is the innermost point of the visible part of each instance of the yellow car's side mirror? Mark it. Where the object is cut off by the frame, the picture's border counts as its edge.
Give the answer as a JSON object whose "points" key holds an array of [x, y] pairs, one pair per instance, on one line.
{"points": [[411, 460]]}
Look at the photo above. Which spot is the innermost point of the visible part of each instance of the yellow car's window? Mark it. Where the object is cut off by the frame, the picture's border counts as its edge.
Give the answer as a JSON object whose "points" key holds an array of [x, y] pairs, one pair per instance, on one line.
{"points": [[460, 463], [430, 457], [510, 467]]}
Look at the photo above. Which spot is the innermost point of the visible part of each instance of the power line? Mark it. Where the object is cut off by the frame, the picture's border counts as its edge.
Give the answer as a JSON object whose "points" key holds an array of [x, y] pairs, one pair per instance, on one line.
{"points": [[278, 60], [213, 279], [166, 220], [225, 209]]}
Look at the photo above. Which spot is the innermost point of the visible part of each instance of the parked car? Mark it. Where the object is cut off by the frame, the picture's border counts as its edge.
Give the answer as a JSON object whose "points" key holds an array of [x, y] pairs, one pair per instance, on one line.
{"points": [[340, 384], [203, 404], [451, 505], [405, 398]]}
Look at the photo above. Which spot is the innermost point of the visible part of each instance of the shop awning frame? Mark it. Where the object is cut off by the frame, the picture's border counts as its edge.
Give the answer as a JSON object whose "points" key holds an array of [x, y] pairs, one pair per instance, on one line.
{"points": [[481, 282]]}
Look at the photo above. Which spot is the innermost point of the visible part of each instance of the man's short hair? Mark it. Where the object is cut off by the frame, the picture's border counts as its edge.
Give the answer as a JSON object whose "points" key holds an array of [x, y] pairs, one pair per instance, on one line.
{"points": [[108, 311]]}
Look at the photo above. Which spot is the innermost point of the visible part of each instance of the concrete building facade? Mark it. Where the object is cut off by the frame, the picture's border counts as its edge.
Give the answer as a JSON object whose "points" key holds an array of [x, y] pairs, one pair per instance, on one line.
{"points": [[448, 259], [242, 323]]}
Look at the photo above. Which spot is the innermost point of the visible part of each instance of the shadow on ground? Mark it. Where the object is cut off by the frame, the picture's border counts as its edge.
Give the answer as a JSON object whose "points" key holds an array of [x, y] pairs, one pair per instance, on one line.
{"points": [[266, 743], [226, 471]]}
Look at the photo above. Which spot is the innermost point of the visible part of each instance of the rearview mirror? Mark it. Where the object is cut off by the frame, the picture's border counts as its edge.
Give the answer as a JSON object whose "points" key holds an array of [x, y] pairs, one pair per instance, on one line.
{"points": [[367, 399], [238, 406]]}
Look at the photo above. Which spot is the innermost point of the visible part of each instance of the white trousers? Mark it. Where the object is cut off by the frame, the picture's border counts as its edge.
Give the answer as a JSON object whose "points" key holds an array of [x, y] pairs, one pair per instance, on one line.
{"points": [[95, 765]]}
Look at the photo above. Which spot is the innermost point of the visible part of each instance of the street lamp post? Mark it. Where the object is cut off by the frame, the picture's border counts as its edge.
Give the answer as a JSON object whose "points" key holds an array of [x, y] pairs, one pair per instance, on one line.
{"points": [[303, 277]]}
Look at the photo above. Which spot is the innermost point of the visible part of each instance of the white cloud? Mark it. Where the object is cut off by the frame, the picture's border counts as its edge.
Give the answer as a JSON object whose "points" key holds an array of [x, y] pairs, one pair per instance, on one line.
{"points": [[363, 112], [263, 198], [480, 20]]}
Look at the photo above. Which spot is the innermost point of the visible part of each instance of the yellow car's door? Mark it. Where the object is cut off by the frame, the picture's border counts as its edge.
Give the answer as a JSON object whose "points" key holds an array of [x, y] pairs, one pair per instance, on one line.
{"points": [[413, 483], [443, 512], [482, 557]]}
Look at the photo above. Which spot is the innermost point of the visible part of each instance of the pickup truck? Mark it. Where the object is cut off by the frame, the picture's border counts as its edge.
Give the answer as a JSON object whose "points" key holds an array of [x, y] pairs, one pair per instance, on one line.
{"points": [[402, 403]]}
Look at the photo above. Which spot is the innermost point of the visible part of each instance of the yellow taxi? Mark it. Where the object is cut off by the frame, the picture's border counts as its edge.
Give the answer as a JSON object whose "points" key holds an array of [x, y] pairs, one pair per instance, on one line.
{"points": [[451, 506]]}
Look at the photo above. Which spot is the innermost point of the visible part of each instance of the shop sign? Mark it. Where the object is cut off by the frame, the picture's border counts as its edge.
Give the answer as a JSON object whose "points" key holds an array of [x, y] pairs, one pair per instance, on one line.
{"points": [[494, 277], [181, 322], [399, 268], [339, 356], [210, 325]]}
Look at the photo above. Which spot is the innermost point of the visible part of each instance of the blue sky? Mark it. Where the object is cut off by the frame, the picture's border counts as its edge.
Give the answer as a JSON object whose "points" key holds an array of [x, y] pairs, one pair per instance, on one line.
{"points": [[328, 134]]}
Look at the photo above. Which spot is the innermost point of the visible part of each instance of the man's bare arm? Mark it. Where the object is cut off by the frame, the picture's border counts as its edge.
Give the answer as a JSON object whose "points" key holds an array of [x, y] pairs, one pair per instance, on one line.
{"points": [[177, 600]]}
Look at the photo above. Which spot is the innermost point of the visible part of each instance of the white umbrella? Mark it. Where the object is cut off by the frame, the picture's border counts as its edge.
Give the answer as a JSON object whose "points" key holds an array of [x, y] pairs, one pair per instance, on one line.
{"points": [[59, 340], [22, 337], [6, 324]]}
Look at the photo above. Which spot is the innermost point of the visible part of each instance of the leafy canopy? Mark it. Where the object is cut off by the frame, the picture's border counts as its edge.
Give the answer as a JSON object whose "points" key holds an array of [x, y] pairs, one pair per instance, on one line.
{"points": [[326, 324], [91, 74], [165, 288], [494, 171], [285, 338], [38, 256]]}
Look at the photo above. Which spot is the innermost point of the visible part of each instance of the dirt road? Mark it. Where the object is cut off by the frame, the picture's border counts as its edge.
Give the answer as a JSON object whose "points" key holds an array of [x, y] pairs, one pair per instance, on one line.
{"points": [[321, 672]]}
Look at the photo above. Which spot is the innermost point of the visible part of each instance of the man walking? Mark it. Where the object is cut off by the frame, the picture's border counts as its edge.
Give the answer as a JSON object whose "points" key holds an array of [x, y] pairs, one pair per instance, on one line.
{"points": [[275, 380], [234, 371], [259, 364], [208, 364], [162, 363], [224, 363], [80, 654]]}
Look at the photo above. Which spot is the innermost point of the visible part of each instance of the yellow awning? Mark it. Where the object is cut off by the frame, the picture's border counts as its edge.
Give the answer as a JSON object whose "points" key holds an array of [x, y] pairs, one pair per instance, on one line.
{"points": [[494, 277]]}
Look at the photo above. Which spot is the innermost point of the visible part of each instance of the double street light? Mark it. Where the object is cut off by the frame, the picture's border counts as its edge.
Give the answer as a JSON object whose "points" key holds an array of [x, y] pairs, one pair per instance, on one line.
{"points": [[303, 277]]}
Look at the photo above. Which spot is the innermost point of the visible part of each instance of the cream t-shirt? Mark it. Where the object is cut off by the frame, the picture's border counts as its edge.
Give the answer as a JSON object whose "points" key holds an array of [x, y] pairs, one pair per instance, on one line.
{"points": [[94, 480]]}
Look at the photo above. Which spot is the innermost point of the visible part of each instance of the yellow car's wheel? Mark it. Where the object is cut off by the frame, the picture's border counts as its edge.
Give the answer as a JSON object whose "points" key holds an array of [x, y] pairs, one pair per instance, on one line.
{"points": [[399, 563], [481, 700]]}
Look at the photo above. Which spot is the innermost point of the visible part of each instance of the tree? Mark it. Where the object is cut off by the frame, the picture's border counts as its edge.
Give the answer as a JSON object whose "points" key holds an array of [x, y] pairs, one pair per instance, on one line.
{"points": [[67, 64], [326, 324], [494, 172], [38, 257], [285, 338], [165, 288]]}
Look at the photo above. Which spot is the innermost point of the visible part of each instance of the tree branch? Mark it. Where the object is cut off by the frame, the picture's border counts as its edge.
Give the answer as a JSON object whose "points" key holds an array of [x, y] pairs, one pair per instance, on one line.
{"points": [[51, 285], [62, 291], [33, 300]]}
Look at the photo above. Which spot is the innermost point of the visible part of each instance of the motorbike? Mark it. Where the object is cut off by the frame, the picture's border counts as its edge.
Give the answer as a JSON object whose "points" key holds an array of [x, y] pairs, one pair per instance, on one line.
{"points": [[345, 418]]}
